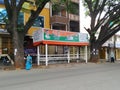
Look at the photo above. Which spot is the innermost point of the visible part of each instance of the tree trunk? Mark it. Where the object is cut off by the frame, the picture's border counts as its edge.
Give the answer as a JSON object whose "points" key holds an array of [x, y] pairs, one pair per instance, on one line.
{"points": [[18, 50], [94, 52], [18, 40]]}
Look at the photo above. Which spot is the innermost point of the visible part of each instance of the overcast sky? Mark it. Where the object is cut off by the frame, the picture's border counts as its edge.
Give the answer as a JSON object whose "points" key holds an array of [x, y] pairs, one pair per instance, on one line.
{"points": [[84, 20]]}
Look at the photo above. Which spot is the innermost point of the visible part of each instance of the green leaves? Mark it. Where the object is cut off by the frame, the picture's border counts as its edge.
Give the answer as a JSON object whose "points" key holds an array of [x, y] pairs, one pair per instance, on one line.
{"points": [[69, 6]]}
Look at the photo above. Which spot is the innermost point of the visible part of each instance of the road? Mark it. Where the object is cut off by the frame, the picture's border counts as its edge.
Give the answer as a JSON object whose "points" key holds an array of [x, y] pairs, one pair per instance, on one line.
{"points": [[105, 76]]}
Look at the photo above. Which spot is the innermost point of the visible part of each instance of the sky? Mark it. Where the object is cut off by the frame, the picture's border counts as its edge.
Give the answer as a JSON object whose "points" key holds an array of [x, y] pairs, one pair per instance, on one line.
{"points": [[84, 20]]}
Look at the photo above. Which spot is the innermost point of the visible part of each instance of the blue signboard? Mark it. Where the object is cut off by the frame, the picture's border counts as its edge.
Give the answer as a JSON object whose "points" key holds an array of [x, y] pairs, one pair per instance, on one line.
{"points": [[3, 14], [39, 22], [1, 1]]}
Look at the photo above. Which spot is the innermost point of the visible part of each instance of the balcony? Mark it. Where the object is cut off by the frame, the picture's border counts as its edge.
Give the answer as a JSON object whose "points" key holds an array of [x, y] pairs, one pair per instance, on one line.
{"points": [[73, 17], [59, 19]]}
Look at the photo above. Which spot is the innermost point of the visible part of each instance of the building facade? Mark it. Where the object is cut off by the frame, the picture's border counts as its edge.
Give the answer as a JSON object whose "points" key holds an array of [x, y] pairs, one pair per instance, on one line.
{"points": [[63, 20], [111, 45]]}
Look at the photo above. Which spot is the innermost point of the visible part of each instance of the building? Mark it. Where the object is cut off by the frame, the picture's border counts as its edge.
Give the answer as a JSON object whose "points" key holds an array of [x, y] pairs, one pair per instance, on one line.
{"points": [[49, 19], [113, 44], [43, 20], [63, 20]]}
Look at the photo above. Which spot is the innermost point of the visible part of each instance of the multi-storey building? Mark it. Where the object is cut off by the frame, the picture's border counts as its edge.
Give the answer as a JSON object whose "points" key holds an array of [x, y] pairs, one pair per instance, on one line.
{"points": [[63, 20]]}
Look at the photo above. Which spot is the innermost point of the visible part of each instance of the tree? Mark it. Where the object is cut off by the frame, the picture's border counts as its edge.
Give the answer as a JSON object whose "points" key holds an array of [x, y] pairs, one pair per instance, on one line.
{"points": [[105, 22], [18, 31]]}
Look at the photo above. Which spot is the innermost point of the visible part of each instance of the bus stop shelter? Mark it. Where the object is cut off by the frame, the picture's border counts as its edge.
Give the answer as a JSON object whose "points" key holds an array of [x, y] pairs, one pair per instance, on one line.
{"points": [[58, 37]]}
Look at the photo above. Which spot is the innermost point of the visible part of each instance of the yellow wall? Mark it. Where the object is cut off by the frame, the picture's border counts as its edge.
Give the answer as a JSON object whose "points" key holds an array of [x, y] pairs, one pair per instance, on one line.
{"points": [[117, 54], [2, 6], [45, 12]]}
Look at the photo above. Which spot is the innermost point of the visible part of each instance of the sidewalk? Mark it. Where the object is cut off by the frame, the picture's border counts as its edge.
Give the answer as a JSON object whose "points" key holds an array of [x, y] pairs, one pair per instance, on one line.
{"points": [[65, 65]]}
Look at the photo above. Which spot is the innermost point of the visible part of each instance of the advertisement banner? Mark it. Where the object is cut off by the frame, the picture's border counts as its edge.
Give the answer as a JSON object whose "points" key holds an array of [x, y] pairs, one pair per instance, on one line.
{"points": [[59, 37], [37, 36], [64, 36]]}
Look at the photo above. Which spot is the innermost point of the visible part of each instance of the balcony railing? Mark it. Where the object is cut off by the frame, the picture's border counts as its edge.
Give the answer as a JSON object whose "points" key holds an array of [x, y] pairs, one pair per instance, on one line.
{"points": [[73, 17], [59, 19]]}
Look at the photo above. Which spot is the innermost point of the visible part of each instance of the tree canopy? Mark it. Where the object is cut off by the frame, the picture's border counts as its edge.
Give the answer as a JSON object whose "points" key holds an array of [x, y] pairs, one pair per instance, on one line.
{"points": [[105, 22], [105, 18]]}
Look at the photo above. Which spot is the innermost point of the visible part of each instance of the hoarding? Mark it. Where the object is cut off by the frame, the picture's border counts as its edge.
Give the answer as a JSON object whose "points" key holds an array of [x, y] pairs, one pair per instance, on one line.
{"points": [[59, 37]]}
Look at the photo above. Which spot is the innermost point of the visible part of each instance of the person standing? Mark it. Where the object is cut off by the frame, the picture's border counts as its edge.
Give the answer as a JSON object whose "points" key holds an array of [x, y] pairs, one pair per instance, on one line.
{"points": [[28, 64], [112, 57]]}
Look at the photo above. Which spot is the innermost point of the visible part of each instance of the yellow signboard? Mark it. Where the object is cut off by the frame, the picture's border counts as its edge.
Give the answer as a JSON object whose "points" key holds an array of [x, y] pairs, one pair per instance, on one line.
{"points": [[27, 7]]}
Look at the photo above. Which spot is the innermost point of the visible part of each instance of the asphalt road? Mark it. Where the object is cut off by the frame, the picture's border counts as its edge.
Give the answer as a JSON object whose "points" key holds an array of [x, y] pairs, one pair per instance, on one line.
{"points": [[105, 76]]}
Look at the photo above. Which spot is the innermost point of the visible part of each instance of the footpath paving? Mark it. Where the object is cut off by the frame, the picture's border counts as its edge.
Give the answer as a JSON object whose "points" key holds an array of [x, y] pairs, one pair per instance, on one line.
{"points": [[65, 65]]}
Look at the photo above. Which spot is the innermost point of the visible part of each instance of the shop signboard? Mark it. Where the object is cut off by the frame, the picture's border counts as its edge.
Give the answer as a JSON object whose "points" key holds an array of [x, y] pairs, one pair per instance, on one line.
{"points": [[3, 15], [37, 36], [83, 37]]}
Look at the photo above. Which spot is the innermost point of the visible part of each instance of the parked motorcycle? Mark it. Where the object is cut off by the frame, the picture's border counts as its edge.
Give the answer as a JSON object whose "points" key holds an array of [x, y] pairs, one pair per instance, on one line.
{"points": [[5, 61]]}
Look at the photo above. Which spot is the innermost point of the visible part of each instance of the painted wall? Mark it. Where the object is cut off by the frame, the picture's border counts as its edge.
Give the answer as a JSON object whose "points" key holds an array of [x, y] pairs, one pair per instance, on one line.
{"points": [[46, 14]]}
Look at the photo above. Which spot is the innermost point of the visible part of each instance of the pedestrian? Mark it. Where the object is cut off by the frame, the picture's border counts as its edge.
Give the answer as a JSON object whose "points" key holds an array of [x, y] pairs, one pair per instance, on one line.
{"points": [[112, 57], [28, 64]]}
